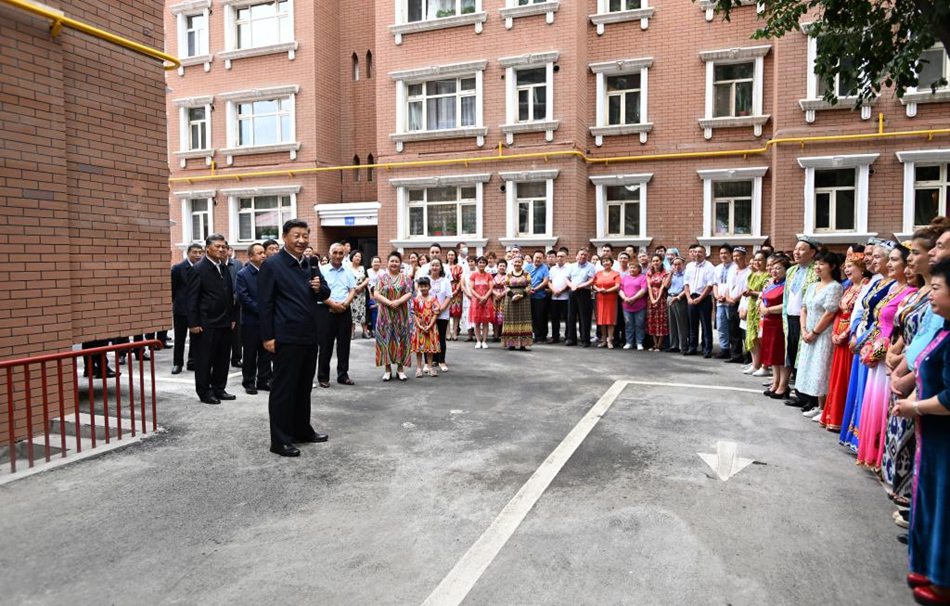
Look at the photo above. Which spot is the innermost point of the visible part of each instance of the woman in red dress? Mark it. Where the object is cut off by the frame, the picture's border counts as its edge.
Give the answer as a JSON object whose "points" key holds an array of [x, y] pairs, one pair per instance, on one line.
{"points": [[658, 325], [606, 284], [482, 311], [454, 271], [773, 333], [841, 359]]}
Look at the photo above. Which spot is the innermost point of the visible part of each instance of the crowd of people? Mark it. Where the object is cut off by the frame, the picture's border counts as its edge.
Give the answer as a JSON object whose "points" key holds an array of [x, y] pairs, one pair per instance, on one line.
{"points": [[857, 341]]}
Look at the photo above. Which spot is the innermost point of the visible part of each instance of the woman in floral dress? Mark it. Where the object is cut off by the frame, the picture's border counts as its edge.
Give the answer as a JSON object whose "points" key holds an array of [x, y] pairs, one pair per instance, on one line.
{"points": [[359, 300], [516, 331], [498, 294], [393, 292], [454, 271], [756, 281], [658, 318], [425, 335], [819, 307], [482, 309]]}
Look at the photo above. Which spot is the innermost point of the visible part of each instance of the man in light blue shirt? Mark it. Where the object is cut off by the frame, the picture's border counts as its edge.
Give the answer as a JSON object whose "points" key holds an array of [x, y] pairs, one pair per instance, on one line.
{"points": [[339, 324], [580, 305], [540, 295]]}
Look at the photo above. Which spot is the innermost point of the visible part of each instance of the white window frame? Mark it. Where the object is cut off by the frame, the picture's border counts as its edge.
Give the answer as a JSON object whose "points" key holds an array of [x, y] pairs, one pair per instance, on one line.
{"points": [[710, 177], [405, 78], [512, 66], [753, 54], [513, 10], [185, 198], [861, 163], [604, 15], [910, 160], [512, 179], [231, 50], [813, 102], [601, 182], [914, 96], [184, 152], [621, 67], [709, 7], [235, 194], [261, 94], [403, 26], [182, 11], [403, 185]]}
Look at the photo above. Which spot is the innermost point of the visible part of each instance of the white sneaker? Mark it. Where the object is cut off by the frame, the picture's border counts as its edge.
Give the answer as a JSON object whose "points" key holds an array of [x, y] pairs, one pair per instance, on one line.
{"points": [[811, 413], [761, 372], [628, 346], [443, 368], [478, 344], [639, 347], [817, 417], [484, 344]]}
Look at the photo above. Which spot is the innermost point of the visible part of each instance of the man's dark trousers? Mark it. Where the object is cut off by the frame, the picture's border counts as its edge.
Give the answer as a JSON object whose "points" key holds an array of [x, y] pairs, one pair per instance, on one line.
{"points": [[736, 334], [579, 310], [213, 349], [558, 314], [256, 358], [339, 328], [294, 366], [539, 316], [181, 333], [700, 314]]}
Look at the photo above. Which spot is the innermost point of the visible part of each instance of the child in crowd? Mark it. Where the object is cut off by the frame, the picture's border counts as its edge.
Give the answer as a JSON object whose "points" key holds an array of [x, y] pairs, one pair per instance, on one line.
{"points": [[425, 334]]}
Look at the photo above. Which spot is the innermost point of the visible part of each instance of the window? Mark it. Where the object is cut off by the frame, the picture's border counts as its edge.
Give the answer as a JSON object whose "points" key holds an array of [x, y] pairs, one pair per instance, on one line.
{"points": [[623, 210], [532, 208], [265, 122], [934, 67], [621, 99], [845, 89], [263, 24], [442, 211], [262, 217], [422, 10], [356, 171], [619, 11], [732, 201], [515, 9], [370, 171], [529, 89], [614, 6], [355, 60], [196, 35], [200, 210], [836, 197], [197, 128], [414, 16], [834, 200], [441, 104], [532, 88], [621, 207], [369, 64], [931, 191], [734, 83], [733, 89]]}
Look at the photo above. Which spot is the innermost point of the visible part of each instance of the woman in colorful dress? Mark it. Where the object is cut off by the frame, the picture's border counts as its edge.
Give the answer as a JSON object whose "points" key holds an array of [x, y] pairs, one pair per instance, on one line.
{"points": [[425, 336], [658, 317], [929, 535], [516, 332], [393, 292], [465, 322], [819, 307], [454, 272], [841, 359], [900, 444], [499, 284], [874, 405], [358, 304], [754, 285], [372, 308], [482, 310], [773, 333], [605, 287], [442, 291]]}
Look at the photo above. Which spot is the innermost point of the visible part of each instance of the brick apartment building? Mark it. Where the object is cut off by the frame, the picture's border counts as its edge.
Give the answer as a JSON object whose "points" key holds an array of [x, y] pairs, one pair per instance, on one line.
{"points": [[630, 123], [83, 182]]}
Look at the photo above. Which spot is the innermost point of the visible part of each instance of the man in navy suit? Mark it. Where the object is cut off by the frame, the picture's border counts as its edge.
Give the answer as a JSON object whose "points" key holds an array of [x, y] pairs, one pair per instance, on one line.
{"points": [[256, 359], [180, 308], [234, 266], [211, 320], [289, 289]]}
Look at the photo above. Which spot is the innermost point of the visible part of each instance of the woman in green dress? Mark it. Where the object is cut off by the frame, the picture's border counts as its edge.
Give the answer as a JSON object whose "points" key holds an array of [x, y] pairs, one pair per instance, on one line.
{"points": [[754, 285]]}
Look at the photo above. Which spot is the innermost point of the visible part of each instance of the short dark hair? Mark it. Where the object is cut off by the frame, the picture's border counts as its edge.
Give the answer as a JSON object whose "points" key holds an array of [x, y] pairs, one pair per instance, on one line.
{"points": [[941, 270], [424, 281], [193, 246], [607, 245], [292, 223], [551, 252], [214, 238], [564, 250], [781, 259], [435, 245], [659, 247], [268, 243], [726, 246], [250, 249], [695, 245], [833, 259], [396, 254]]}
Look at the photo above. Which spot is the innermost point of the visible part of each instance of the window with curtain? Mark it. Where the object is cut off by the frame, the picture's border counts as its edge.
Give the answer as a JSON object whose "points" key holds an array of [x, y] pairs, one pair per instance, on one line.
{"points": [[623, 210], [197, 128], [442, 211], [262, 217], [732, 205], [426, 10], [200, 219], [835, 200], [931, 192], [732, 87], [266, 122], [441, 104], [532, 90]]}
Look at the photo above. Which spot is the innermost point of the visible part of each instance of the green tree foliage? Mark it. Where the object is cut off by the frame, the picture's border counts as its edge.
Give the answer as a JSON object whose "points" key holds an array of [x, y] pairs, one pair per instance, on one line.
{"points": [[868, 44]]}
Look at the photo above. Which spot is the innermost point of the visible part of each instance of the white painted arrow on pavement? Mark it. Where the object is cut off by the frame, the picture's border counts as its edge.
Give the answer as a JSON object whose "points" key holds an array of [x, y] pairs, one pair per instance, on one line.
{"points": [[726, 462]]}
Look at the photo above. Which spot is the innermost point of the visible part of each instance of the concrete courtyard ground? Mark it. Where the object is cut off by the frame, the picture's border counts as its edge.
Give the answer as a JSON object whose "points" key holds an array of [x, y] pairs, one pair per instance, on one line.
{"points": [[414, 496]]}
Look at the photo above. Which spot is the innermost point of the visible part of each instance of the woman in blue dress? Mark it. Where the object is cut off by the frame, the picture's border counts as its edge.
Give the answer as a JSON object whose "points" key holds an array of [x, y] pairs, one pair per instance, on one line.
{"points": [[929, 537]]}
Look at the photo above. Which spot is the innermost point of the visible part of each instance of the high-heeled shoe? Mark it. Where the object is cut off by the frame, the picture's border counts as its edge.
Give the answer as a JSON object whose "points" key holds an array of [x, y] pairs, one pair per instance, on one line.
{"points": [[781, 396]]}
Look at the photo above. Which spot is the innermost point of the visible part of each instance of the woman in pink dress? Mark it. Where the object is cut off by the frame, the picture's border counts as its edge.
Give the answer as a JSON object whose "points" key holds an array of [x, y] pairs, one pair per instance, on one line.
{"points": [[482, 310]]}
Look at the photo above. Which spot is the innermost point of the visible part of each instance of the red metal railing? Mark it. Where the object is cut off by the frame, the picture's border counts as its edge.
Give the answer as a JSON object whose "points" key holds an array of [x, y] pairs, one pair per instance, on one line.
{"points": [[55, 404]]}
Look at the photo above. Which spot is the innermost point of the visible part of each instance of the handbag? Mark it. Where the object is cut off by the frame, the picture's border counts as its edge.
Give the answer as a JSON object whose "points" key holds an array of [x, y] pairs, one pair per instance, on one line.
{"points": [[874, 348]]}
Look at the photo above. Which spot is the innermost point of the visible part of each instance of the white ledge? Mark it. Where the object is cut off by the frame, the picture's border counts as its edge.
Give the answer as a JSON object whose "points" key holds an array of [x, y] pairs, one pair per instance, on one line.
{"points": [[840, 161], [529, 59], [478, 132], [276, 190], [196, 60], [911, 99], [544, 241], [843, 237], [443, 181], [641, 14], [260, 93], [249, 150], [733, 174], [452, 70], [527, 176], [541, 126], [621, 66], [195, 193], [926, 155], [194, 101], [622, 241], [191, 154], [737, 53], [616, 130], [740, 239], [272, 49], [192, 6], [756, 122], [511, 13], [628, 179], [476, 19], [810, 106], [425, 241]]}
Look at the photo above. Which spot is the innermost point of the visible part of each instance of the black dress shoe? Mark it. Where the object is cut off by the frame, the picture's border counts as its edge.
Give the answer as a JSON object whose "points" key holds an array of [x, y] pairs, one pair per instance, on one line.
{"points": [[109, 373], [673, 350], [345, 381], [285, 450], [570, 343], [314, 439], [689, 352], [780, 396], [176, 370], [225, 396], [210, 400], [189, 366], [324, 384], [723, 355], [735, 361], [236, 363], [263, 387], [707, 355], [796, 403], [768, 392], [250, 391], [587, 344]]}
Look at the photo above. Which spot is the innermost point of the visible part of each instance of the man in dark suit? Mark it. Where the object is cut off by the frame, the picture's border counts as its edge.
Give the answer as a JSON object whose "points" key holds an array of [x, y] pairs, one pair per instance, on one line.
{"points": [[289, 290], [211, 320], [180, 274], [256, 359], [234, 266]]}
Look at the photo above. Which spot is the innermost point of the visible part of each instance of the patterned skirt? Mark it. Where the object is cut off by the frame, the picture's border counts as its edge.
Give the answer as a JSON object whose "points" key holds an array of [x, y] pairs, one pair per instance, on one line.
{"points": [[658, 319], [516, 331]]}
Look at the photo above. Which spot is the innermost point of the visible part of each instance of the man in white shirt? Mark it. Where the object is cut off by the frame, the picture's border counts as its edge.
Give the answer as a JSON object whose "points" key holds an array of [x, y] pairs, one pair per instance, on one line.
{"points": [[737, 287], [725, 272], [558, 279], [580, 304], [698, 284]]}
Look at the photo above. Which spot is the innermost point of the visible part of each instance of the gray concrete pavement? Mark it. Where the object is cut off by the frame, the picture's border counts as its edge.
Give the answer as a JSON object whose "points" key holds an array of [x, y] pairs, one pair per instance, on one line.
{"points": [[414, 473]]}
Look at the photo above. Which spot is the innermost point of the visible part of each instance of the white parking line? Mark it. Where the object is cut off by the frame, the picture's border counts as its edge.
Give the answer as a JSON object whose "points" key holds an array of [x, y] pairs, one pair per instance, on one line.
{"points": [[466, 572]]}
